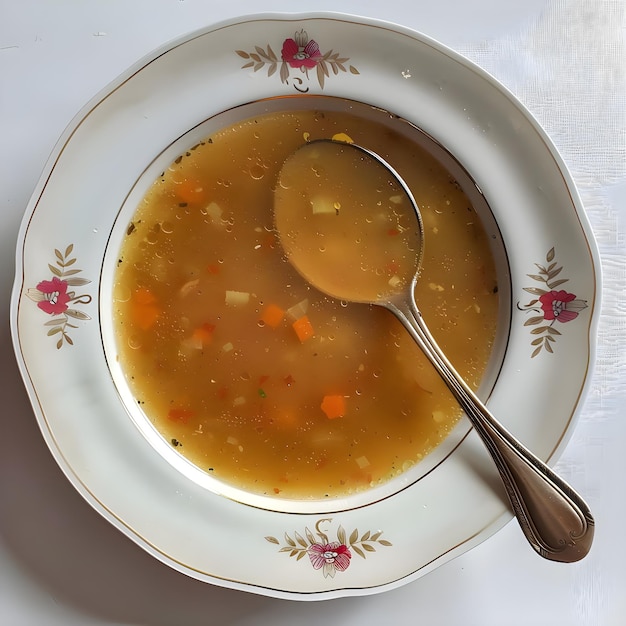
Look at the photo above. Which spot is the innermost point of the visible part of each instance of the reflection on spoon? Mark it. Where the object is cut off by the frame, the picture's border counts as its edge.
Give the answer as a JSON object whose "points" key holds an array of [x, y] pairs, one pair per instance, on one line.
{"points": [[351, 227]]}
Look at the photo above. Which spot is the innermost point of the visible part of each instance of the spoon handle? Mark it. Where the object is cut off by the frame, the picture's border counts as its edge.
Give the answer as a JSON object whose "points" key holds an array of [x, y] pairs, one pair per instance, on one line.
{"points": [[554, 518]]}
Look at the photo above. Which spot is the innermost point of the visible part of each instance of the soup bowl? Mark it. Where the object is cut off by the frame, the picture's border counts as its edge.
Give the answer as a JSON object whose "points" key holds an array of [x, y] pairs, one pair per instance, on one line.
{"points": [[229, 360], [67, 342]]}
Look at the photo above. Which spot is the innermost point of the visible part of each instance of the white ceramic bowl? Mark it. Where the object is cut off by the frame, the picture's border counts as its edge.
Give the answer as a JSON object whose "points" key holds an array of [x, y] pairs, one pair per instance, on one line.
{"points": [[62, 332]]}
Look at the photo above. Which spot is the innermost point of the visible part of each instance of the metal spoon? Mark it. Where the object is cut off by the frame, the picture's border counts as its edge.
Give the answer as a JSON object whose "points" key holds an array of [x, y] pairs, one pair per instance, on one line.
{"points": [[328, 177]]}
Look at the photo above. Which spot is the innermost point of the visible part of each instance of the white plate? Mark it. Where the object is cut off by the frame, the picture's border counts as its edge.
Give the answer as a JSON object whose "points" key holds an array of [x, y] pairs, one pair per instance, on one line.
{"points": [[62, 246]]}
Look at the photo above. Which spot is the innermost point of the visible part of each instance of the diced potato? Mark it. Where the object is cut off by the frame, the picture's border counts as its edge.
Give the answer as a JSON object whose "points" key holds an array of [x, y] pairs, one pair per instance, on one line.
{"points": [[298, 310], [322, 204], [237, 298], [362, 462], [214, 211]]}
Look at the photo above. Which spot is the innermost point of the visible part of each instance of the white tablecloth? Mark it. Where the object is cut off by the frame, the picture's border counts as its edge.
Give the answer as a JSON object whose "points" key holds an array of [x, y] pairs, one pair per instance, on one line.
{"points": [[61, 564]]}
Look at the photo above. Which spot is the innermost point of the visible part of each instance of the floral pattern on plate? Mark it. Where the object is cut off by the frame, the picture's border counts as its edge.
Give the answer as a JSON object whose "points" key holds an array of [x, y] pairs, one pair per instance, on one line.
{"points": [[552, 305], [301, 54], [329, 556], [54, 297]]}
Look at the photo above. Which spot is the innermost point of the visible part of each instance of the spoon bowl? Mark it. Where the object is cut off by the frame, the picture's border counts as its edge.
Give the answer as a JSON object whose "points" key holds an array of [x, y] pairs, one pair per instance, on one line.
{"points": [[333, 195], [322, 207]]}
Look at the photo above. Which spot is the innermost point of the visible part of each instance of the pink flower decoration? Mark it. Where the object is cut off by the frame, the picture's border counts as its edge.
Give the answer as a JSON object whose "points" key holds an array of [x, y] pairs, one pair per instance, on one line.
{"points": [[301, 52], [331, 557], [54, 296], [561, 305]]}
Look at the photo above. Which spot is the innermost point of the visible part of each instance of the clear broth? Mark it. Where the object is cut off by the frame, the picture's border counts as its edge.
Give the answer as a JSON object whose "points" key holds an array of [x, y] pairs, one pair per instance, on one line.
{"points": [[253, 375]]}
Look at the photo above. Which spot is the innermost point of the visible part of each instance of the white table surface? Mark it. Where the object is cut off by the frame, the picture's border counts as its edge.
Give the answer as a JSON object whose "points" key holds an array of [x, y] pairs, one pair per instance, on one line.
{"points": [[62, 564]]}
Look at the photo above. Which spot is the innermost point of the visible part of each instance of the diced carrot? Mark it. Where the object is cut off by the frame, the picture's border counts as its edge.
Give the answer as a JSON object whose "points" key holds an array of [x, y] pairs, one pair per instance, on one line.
{"points": [[213, 268], [180, 415], [144, 296], [303, 328], [263, 379], [190, 191], [272, 315], [289, 380], [334, 406], [144, 309], [203, 334], [146, 316], [392, 268]]}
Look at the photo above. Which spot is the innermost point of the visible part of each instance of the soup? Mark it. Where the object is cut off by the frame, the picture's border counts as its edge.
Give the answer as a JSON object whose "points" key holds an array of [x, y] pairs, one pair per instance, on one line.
{"points": [[252, 374]]}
